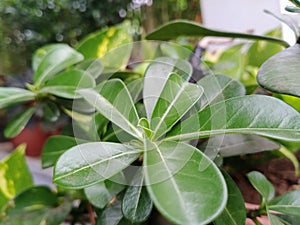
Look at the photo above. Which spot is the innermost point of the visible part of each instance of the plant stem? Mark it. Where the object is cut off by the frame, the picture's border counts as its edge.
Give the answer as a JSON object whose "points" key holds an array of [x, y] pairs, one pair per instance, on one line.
{"points": [[256, 221], [91, 214]]}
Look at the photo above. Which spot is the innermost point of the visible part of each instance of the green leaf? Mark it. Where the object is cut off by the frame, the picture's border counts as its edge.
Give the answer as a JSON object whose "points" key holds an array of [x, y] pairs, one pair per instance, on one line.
{"points": [[175, 50], [67, 83], [51, 111], [40, 53], [77, 105], [86, 124], [107, 44], [237, 144], [259, 51], [231, 62], [90, 163], [102, 193], [235, 211], [289, 21], [117, 106], [292, 9], [93, 67], [114, 133], [217, 88], [112, 215], [137, 205], [288, 203], [55, 146], [14, 175], [175, 100], [281, 72], [11, 96], [37, 205], [135, 88], [274, 220], [178, 28], [156, 76], [56, 60], [125, 75], [296, 2], [184, 185], [254, 114], [262, 185], [289, 220], [18, 123], [144, 124]]}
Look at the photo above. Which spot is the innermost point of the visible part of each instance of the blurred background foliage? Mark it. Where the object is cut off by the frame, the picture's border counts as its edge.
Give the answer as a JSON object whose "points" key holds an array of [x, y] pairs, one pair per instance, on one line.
{"points": [[28, 25]]}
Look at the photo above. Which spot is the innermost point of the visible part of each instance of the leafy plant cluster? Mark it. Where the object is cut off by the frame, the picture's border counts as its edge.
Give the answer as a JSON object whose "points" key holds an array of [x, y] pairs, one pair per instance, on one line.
{"points": [[147, 137]]}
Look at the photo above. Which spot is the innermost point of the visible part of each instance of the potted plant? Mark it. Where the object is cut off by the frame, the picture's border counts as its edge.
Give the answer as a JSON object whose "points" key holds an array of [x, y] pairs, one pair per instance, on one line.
{"points": [[158, 142], [156, 148], [57, 74]]}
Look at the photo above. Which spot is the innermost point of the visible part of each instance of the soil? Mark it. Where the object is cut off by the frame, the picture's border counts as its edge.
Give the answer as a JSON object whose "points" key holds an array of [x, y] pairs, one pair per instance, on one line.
{"points": [[280, 172]]}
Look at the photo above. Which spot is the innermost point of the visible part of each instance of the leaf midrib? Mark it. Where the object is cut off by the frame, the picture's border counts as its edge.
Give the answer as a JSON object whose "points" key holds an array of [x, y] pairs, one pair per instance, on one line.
{"points": [[136, 133], [224, 131], [139, 194], [216, 94], [96, 163], [171, 177], [169, 108]]}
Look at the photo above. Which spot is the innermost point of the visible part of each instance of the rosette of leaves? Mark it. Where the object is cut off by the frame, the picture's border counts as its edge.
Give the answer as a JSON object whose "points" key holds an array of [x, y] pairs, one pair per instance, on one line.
{"points": [[59, 71], [155, 162]]}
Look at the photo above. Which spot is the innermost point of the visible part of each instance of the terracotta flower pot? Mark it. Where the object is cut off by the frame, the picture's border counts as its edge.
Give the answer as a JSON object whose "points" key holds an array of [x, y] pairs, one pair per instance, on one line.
{"points": [[34, 137]]}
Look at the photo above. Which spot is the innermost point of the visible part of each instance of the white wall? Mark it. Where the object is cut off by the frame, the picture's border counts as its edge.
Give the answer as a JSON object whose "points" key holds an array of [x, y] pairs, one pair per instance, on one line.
{"points": [[240, 15]]}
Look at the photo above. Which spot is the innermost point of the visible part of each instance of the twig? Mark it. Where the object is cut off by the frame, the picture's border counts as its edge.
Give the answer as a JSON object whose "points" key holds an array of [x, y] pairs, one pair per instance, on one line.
{"points": [[91, 214]]}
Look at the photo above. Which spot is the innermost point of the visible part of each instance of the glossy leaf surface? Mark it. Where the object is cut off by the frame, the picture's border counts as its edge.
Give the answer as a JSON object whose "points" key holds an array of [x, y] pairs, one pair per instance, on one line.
{"points": [[118, 107], [112, 215], [14, 175], [280, 73], [178, 28], [11, 96], [292, 9], [102, 193], [18, 123], [274, 220], [288, 203], [235, 211], [55, 146], [231, 62], [156, 76], [90, 163], [40, 53], [93, 67], [237, 144], [55, 61], [262, 185], [175, 100], [137, 205], [267, 116], [67, 83], [217, 88], [184, 185]]}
